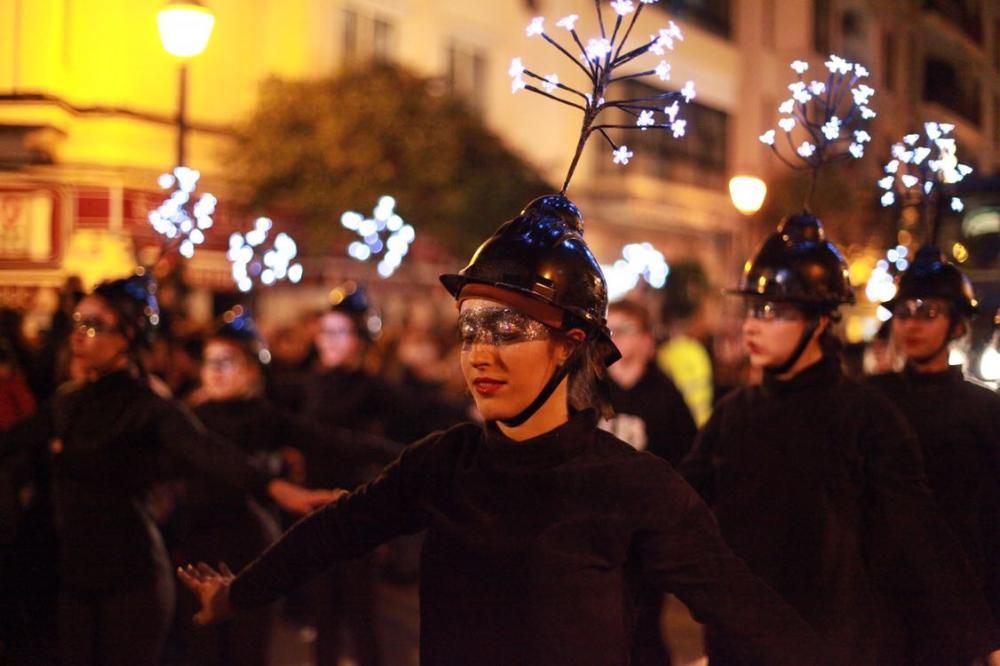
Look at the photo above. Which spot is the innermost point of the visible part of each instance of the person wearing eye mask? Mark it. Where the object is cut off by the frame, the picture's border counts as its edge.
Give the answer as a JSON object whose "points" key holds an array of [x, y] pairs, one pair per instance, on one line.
{"points": [[538, 522], [109, 439], [817, 481], [956, 422]]}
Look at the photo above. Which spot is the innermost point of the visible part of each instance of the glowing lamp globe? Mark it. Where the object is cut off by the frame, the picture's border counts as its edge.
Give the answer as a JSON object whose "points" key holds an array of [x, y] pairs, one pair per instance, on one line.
{"points": [[185, 28], [747, 193]]}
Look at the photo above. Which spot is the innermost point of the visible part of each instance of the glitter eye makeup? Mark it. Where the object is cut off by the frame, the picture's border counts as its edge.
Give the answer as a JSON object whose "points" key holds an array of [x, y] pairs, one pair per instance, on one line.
{"points": [[498, 326]]}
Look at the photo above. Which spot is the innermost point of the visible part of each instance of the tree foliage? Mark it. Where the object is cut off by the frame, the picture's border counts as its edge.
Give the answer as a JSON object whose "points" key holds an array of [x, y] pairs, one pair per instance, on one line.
{"points": [[325, 146]]}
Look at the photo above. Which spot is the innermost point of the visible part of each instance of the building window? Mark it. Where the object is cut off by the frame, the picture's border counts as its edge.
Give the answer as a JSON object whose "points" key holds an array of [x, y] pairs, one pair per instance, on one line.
{"points": [[944, 86], [712, 15], [698, 158], [996, 122], [966, 15], [889, 61], [466, 76], [821, 26], [366, 36]]}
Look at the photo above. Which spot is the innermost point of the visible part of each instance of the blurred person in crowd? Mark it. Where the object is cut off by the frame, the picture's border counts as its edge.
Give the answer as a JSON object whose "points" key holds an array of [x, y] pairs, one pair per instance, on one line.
{"points": [[217, 523], [52, 363], [183, 374], [108, 438], [537, 520], [651, 415], [682, 356], [958, 426], [817, 481], [342, 393], [293, 356], [17, 402]]}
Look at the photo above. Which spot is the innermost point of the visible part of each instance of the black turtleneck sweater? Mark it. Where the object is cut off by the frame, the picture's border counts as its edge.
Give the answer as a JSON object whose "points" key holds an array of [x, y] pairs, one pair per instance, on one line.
{"points": [[109, 441], [958, 426], [812, 479], [530, 547]]}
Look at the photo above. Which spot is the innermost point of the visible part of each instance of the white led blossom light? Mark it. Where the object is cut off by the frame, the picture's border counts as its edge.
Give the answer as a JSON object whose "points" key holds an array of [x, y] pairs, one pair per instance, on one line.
{"points": [[172, 219], [621, 155], [599, 58], [920, 169], [384, 234], [639, 261], [821, 122], [252, 263]]}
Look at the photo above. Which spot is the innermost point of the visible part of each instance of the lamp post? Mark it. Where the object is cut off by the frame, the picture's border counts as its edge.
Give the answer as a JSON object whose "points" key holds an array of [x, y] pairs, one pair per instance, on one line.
{"points": [[185, 28], [747, 193]]}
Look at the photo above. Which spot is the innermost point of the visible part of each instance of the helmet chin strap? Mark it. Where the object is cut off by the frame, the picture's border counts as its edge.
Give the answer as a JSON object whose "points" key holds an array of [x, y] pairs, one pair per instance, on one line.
{"points": [[550, 386], [798, 351]]}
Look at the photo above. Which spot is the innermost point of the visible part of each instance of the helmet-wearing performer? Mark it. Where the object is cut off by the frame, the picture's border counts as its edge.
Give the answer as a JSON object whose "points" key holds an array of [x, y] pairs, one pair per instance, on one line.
{"points": [[107, 440], [538, 521], [957, 422], [342, 393], [810, 473]]}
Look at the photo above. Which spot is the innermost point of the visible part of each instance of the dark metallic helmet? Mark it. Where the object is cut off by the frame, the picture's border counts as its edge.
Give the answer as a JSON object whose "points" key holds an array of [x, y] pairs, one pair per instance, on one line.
{"points": [[930, 275], [541, 254], [351, 299], [796, 264], [134, 301], [238, 327]]}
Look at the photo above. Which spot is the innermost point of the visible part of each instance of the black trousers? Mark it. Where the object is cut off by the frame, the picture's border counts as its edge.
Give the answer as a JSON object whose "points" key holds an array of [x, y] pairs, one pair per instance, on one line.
{"points": [[126, 628]]}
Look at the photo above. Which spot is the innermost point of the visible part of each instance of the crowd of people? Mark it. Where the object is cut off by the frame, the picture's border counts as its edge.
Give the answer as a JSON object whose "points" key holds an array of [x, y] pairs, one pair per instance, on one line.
{"points": [[555, 480]]}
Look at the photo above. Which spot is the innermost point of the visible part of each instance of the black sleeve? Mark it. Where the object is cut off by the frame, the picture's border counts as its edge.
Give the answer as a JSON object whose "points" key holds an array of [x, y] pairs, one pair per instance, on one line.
{"points": [[916, 555], [184, 437], [696, 468], [386, 507], [331, 446], [682, 551], [989, 512]]}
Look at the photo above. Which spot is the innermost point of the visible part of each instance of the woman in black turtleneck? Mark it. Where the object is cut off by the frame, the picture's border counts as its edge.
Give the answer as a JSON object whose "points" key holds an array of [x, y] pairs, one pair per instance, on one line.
{"points": [[957, 424], [538, 522], [817, 482], [109, 440]]}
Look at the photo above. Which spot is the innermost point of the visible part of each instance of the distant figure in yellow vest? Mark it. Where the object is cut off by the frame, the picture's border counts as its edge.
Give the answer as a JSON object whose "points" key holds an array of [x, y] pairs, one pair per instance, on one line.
{"points": [[682, 356]]}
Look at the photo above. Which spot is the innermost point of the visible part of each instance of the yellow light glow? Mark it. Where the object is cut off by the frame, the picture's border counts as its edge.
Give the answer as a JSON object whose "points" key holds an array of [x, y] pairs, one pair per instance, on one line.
{"points": [[185, 28], [959, 252], [747, 193], [860, 268], [97, 255]]}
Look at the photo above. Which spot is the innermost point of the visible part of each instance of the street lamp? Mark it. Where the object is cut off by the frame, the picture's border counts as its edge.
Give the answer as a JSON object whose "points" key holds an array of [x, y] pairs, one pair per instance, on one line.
{"points": [[747, 193], [185, 27]]}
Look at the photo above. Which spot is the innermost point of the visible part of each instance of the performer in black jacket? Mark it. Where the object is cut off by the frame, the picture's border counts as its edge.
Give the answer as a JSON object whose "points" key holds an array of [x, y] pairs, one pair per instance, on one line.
{"points": [[816, 480], [958, 426], [109, 439], [538, 521]]}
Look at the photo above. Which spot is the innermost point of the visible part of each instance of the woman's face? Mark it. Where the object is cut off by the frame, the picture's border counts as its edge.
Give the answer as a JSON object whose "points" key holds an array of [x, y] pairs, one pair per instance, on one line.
{"points": [[771, 331], [226, 372], [98, 344], [506, 358], [337, 341], [920, 328]]}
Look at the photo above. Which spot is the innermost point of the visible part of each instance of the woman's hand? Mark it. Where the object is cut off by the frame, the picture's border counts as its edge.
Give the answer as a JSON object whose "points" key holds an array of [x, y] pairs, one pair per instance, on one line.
{"points": [[299, 500], [212, 589]]}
